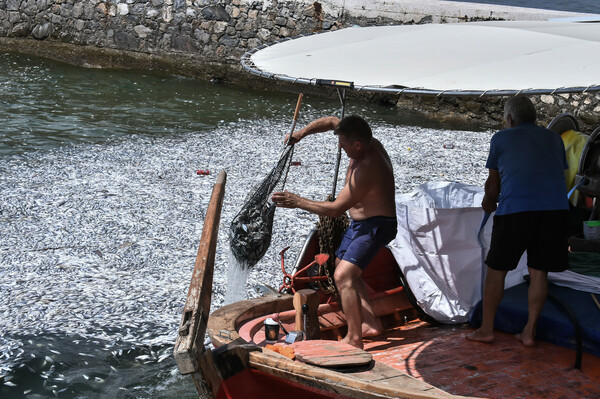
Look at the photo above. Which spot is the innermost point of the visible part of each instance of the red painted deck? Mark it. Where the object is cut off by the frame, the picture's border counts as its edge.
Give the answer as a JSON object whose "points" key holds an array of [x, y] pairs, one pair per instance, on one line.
{"points": [[441, 356]]}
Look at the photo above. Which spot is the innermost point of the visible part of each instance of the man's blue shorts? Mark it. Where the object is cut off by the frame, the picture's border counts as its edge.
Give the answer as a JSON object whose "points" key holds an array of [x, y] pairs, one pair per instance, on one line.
{"points": [[364, 238]]}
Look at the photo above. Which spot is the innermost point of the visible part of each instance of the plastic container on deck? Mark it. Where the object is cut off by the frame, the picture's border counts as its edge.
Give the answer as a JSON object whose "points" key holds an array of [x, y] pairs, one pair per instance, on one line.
{"points": [[591, 230]]}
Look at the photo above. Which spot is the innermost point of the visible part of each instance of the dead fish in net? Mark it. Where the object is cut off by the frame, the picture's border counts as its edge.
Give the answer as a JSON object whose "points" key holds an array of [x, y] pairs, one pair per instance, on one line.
{"points": [[250, 233]]}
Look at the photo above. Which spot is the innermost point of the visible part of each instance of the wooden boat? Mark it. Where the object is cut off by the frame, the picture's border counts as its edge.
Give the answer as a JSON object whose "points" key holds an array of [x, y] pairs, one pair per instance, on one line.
{"points": [[413, 358]]}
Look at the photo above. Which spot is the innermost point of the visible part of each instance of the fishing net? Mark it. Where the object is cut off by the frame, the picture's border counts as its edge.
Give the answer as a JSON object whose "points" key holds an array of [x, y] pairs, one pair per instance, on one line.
{"points": [[250, 230], [330, 232]]}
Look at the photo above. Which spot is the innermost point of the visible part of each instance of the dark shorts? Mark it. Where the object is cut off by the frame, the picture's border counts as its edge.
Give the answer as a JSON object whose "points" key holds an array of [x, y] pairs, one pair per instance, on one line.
{"points": [[543, 234], [364, 238]]}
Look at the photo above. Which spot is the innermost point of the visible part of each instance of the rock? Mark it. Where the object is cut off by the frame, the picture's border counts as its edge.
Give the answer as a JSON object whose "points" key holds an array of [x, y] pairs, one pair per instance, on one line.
{"points": [[42, 32], [220, 27], [20, 30], [13, 5], [125, 40], [184, 43], [122, 9], [142, 31], [167, 14], [215, 13], [263, 34], [547, 99]]}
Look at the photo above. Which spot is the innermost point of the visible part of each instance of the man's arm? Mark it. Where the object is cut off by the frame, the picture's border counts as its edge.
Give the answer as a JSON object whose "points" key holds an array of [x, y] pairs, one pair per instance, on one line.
{"points": [[492, 191], [317, 126], [356, 188]]}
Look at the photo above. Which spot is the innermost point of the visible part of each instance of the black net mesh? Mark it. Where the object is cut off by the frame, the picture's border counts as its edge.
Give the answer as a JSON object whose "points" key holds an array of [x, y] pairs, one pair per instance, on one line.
{"points": [[250, 230]]}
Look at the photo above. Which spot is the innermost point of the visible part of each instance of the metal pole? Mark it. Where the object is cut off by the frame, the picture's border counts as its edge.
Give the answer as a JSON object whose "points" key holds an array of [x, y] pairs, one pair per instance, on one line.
{"points": [[342, 97]]}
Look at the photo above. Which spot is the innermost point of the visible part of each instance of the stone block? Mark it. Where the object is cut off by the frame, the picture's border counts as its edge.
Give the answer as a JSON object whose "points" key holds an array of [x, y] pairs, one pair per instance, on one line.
{"points": [[77, 10], [102, 9], [281, 21], [142, 31], [220, 27], [191, 13], [263, 34], [13, 5], [14, 17], [229, 41], [126, 41], [122, 9], [167, 14], [184, 43], [202, 36], [152, 13], [20, 30], [157, 3], [89, 11], [138, 9], [547, 99], [215, 13]]}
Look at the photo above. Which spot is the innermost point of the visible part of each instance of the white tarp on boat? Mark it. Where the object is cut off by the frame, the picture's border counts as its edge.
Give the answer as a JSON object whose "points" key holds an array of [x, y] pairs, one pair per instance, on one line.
{"points": [[441, 252], [438, 250], [475, 56]]}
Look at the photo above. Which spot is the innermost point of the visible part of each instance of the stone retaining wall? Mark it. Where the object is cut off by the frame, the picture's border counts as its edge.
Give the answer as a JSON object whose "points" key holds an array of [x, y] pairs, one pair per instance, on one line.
{"points": [[206, 38]]}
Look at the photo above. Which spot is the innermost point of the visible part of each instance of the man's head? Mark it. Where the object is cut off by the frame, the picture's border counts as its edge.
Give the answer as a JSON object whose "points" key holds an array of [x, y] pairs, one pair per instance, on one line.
{"points": [[519, 109], [354, 135]]}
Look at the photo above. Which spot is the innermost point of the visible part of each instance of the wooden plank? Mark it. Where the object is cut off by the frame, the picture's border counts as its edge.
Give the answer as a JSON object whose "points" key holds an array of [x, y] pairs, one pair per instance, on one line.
{"points": [[330, 354], [343, 383], [189, 344]]}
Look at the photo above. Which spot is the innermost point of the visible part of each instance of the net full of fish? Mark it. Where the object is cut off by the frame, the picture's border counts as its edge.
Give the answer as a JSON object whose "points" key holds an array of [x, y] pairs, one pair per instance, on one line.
{"points": [[251, 229]]}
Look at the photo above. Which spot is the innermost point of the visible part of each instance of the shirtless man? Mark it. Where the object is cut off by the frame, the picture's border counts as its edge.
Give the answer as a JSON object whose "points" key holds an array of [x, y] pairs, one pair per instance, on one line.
{"points": [[369, 196]]}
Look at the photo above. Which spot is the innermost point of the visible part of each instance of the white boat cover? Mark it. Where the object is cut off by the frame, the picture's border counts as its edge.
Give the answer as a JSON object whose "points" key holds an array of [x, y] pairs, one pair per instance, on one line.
{"points": [[478, 57]]}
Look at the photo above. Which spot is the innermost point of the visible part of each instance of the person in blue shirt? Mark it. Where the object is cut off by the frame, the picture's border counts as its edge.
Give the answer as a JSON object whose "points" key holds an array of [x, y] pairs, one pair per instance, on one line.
{"points": [[526, 188]]}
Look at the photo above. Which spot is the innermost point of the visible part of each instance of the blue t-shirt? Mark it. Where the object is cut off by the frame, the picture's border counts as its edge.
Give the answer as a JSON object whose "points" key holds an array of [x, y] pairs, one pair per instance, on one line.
{"points": [[531, 161]]}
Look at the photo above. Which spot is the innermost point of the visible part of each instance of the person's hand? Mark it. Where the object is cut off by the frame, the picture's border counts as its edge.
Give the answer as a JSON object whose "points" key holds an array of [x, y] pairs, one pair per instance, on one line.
{"points": [[488, 205], [285, 199], [293, 139]]}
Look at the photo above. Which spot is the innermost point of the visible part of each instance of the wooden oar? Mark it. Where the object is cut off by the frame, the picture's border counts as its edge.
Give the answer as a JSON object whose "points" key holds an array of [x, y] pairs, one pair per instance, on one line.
{"points": [[290, 137]]}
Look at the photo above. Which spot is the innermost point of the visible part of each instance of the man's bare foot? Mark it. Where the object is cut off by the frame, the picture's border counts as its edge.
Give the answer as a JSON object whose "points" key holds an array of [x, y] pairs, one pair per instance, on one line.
{"points": [[525, 340], [371, 331], [479, 336], [357, 344]]}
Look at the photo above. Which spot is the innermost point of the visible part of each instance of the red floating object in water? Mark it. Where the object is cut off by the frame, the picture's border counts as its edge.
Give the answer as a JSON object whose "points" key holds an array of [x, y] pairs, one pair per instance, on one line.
{"points": [[203, 172], [296, 163]]}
